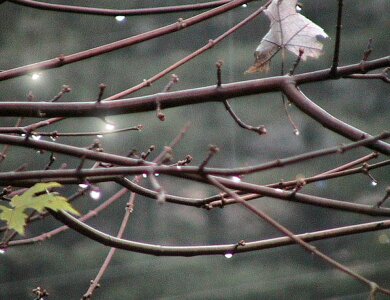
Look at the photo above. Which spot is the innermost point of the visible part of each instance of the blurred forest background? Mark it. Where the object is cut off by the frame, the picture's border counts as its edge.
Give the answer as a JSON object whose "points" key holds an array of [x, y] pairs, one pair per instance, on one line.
{"points": [[65, 264]]}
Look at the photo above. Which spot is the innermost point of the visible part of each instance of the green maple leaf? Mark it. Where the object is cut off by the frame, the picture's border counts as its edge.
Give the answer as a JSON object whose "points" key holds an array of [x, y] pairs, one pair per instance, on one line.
{"points": [[38, 198]]}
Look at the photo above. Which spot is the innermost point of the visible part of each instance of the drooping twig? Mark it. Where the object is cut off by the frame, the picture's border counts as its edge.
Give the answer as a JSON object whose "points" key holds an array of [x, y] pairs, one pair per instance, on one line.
{"points": [[327, 120], [259, 129]]}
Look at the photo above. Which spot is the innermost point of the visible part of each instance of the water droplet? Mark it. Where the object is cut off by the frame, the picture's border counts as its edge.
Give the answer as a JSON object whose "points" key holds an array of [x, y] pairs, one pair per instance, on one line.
{"points": [[279, 190], [95, 194], [236, 178], [99, 136], [83, 185], [384, 239], [298, 8], [110, 126], [36, 137], [120, 18], [144, 175], [244, 5], [35, 76], [296, 132], [53, 138], [374, 183], [228, 255], [178, 167], [3, 250], [156, 174]]}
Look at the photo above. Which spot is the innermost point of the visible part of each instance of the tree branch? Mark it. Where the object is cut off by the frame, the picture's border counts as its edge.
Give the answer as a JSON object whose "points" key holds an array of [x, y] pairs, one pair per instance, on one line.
{"points": [[119, 12], [72, 58], [161, 250]]}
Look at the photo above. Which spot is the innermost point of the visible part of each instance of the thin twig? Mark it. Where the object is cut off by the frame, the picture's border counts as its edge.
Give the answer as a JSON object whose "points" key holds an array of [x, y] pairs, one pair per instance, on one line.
{"points": [[211, 43], [311, 249], [119, 12], [72, 58], [259, 129], [96, 281], [336, 54]]}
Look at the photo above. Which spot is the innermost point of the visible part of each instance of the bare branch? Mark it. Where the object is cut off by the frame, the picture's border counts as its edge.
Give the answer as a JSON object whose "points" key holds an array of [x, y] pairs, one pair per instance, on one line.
{"points": [[119, 12]]}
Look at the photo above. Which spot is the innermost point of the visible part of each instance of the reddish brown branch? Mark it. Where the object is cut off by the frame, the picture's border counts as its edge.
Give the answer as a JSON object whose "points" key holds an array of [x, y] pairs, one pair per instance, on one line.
{"points": [[306, 246], [150, 166], [95, 282], [72, 58], [327, 120], [178, 98], [119, 12], [161, 250], [211, 43]]}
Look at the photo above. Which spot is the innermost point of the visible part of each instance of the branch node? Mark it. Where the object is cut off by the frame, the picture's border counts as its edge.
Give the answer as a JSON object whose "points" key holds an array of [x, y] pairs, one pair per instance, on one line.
{"points": [[181, 24], [241, 243], [373, 290], [187, 160], [41, 293], [147, 82], [61, 59]]}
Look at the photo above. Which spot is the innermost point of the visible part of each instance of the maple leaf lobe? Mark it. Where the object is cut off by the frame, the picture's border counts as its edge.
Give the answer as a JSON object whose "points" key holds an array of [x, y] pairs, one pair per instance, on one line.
{"points": [[288, 30]]}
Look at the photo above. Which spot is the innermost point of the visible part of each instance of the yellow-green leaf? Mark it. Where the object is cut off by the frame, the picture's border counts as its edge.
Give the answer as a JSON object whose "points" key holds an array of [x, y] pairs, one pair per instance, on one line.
{"points": [[38, 198], [15, 218]]}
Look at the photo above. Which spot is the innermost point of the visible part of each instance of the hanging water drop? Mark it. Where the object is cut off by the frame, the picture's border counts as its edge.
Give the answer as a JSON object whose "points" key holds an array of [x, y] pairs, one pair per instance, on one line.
{"points": [[95, 194], [120, 18], [110, 126], [228, 255], [236, 178], [83, 185]]}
